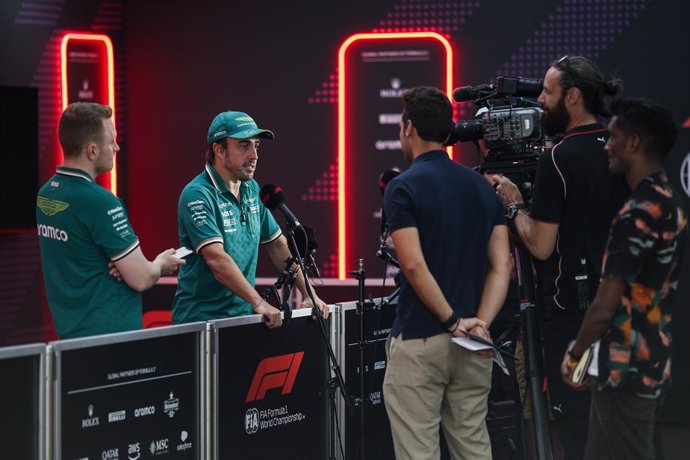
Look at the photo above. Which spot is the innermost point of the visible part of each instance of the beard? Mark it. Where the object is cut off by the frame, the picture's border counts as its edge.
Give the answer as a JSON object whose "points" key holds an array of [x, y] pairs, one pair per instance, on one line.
{"points": [[555, 120]]}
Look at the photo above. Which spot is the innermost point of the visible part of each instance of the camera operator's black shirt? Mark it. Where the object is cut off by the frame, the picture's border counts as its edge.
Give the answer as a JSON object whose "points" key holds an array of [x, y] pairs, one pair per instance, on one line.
{"points": [[574, 188]]}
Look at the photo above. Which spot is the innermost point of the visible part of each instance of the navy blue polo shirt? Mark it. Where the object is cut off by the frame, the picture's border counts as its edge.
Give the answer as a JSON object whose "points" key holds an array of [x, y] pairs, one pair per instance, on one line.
{"points": [[455, 211]]}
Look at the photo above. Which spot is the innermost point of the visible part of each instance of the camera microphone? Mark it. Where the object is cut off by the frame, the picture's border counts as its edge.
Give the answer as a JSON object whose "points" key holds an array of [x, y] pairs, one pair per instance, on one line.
{"points": [[519, 86], [470, 93]]}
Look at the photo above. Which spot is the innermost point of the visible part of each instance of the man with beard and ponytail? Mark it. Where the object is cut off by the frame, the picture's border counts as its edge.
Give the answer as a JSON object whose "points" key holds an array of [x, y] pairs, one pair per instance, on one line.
{"points": [[221, 217], [573, 202]]}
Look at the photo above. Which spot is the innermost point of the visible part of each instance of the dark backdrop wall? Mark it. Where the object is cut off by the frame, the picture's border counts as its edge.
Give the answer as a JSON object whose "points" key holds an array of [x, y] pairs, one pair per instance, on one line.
{"points": [[278, 62], [30, 35], [178, 63]]}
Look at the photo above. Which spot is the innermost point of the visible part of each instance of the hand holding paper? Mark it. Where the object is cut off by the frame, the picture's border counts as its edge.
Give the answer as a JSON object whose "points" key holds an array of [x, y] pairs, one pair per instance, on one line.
{"points": [[476, 343]]}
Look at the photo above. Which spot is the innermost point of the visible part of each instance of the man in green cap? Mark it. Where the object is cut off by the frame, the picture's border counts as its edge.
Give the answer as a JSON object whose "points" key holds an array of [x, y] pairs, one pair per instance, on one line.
{"points": [[221, 217], [83, 228]]}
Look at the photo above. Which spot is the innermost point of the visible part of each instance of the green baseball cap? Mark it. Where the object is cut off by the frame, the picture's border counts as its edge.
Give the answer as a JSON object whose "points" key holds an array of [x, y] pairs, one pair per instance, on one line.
{"points": [[237, 125]]}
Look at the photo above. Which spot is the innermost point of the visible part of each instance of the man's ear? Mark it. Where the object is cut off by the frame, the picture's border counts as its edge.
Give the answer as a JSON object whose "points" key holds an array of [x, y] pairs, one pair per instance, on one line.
{"points": [[408, 128], [91, 151], [634, 142], [573, 95], [217, 148]]}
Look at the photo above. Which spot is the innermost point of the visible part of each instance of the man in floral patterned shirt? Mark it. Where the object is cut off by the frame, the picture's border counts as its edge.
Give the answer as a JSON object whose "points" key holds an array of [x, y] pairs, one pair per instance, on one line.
{"points": [[631, 313]]}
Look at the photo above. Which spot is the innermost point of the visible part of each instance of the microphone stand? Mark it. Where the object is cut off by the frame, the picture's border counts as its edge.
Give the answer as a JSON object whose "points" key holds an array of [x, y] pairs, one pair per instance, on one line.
{"points": [[285, 280], [383, 254], [362, 307], [333, 382]]}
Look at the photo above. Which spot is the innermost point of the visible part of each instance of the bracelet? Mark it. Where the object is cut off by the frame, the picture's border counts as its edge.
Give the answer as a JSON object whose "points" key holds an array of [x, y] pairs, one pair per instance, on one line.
{"points": [[571, 363], [451, 322], [259, 304]]}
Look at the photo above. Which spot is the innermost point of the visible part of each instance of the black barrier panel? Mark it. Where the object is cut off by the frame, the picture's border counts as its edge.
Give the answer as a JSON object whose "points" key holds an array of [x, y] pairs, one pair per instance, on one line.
{"points": [[502, 417], [130, 400], [272, 391], [20, 402], [378, 443]]}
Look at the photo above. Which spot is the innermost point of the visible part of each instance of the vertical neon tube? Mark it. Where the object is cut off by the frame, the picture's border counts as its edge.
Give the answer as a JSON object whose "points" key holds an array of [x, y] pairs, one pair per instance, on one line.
{"points": [[343, 171], [109, 83]]}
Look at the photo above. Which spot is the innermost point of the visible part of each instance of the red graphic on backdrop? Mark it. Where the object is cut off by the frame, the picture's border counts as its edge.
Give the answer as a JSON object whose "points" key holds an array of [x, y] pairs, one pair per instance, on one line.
{"points": [[275, 372]]}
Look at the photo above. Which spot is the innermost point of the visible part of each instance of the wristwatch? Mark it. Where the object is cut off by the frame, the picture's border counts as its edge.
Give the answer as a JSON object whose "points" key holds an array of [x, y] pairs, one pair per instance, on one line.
{"points": [[513, 210]]}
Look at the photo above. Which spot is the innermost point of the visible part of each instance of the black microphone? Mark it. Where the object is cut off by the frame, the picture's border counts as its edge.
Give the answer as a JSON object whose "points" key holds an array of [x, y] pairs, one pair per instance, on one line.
{"points": [[385, 178], [520, 86], [273, 198], [470, 93], [305, 245]]}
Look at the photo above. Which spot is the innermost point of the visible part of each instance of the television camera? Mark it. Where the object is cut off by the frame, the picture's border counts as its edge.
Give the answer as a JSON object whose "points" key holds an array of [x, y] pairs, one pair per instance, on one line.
{"points": [[507, 128]]}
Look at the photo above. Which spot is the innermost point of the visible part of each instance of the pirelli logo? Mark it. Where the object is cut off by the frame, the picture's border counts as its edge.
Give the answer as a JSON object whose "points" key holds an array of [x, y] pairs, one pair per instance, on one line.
{"points": [[275, 372]]}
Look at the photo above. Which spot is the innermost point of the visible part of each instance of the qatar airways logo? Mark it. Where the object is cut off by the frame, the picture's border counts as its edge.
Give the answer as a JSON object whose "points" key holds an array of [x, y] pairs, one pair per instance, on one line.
{"points": [[275, 372]]}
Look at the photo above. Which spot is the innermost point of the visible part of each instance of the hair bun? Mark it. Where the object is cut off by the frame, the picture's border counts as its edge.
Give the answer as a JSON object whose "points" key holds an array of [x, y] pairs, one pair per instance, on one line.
{"points": [[613, 87]]}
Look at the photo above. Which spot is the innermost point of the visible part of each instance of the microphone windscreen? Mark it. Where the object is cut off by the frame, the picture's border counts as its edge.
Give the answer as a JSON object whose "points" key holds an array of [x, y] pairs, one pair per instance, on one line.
{"points": [[464, 93], [385, 178], [271, 196]]}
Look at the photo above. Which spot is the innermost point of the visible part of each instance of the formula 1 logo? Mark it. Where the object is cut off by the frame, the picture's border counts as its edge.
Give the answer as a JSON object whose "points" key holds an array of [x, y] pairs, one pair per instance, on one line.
{"points": [[275, 372]]}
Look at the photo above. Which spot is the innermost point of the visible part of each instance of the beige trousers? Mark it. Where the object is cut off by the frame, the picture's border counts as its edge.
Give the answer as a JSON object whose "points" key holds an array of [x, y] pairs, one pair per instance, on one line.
{"points": [[431, 381]]}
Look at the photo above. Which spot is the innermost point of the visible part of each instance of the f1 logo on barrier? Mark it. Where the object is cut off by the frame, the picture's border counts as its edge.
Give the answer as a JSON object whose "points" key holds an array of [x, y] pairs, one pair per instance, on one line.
{"points": [[275, 372]]}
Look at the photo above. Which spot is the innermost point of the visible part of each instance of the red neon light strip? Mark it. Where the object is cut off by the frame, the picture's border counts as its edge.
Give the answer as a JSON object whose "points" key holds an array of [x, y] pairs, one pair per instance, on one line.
{"points": [[111, 84], [342, 165]]}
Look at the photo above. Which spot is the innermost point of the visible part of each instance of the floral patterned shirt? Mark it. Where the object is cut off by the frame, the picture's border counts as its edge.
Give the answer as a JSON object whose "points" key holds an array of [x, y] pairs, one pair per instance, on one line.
{"points": [[645, 246]]}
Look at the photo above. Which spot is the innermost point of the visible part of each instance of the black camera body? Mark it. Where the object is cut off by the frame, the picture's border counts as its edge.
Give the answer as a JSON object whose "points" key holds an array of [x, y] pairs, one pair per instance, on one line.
{"points": [[503, 127], [508, 123]]}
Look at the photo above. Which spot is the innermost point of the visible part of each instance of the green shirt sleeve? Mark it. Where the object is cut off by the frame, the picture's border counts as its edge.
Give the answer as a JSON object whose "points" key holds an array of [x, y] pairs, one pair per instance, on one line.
{"points": [[270, 230], [109, 226], [196, 213]]}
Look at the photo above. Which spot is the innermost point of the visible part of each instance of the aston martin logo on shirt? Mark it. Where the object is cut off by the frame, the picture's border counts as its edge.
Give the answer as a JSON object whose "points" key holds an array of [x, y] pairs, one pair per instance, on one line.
{"points": [[51, 207]]}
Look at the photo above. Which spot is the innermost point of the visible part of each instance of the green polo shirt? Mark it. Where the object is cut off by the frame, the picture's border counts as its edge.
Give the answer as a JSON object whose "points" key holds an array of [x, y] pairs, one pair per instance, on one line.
{"points": [[81, 227], [209, 213]]}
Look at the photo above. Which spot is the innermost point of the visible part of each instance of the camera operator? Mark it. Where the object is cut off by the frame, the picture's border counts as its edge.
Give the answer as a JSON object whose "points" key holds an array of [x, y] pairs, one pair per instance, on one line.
{"points": [[573, 201]]}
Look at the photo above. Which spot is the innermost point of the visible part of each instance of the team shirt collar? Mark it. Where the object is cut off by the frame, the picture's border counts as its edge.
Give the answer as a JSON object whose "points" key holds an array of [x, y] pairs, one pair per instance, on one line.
{"points": [[65, 171], [215, 179]]}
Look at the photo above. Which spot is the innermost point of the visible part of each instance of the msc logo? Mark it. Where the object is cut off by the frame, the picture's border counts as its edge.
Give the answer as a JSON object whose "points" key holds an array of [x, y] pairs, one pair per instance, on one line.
{"points": [[275, 372]]}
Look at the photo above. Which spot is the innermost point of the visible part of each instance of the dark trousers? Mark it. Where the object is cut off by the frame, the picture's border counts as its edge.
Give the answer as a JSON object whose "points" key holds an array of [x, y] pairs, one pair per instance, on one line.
{"points": [[570, 408], [621, 426]]}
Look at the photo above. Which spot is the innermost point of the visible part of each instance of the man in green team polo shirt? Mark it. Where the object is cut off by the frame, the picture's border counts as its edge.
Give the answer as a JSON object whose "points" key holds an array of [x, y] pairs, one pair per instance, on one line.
{"points": [[221, 217], [83, 227]]}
